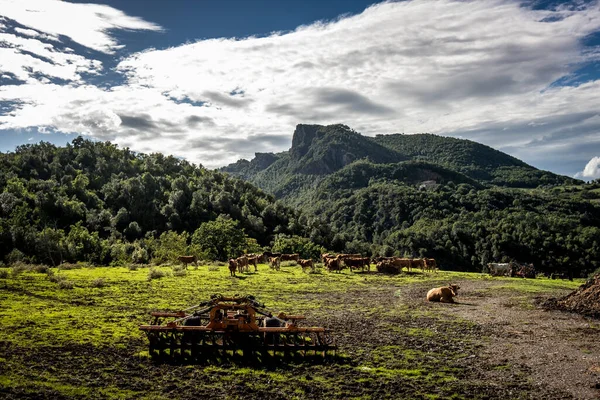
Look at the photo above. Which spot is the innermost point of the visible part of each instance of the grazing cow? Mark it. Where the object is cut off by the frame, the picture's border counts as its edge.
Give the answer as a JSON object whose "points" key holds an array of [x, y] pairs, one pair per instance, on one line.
{"points": [[305, 264], [188, 259], [267, 254], [500, 269], [334, 264], [443, 294], [356, 263], [325, 256], [275, 263], [242, 264], [417, 263], [430, 264], [253, 259], [393, 265], [232, 267], [290, 257]]}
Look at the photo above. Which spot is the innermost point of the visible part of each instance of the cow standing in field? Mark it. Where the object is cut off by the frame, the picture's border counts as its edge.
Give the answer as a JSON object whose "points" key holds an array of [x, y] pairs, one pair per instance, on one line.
{"points": [[500, 269], [430, 264], [253, 259], [232, 267], [334, 264], [417, 263], [306, 264], [290, 257], [356, 263], [188, 259], [275, 263], [242, 263], [267, 255]]}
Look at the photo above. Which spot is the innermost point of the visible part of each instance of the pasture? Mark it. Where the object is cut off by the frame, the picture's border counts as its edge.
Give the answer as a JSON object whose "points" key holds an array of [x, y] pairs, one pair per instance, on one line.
{"points": [[74, 334]]}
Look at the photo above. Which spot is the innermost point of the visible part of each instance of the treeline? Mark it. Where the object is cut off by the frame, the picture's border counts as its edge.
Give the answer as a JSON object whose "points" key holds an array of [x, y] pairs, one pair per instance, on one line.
{"points": [[95, 202], [464, 227]]}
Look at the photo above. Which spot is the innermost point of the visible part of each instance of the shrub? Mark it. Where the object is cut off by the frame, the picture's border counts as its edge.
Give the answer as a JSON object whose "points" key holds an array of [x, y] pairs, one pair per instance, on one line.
{"points": [[65, 284], [156, 273], [69, 266], [15, 256], [213, 267], [133, 267], [3, 273], [40, 268], [18, 269], [55, 278], [179, 272], [99, 283]]}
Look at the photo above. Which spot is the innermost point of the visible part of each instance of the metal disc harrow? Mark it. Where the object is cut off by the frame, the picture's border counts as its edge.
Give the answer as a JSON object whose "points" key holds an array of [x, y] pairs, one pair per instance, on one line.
{"points": [[231, 327]]}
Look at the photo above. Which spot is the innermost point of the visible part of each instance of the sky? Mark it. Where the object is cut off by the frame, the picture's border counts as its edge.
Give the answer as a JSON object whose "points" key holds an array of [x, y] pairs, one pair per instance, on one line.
{"points": [[216, 81]]}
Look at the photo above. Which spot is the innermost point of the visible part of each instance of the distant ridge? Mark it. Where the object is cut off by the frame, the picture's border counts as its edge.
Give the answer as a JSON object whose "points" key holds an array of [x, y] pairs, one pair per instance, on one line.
{"points": [[319, 151]]}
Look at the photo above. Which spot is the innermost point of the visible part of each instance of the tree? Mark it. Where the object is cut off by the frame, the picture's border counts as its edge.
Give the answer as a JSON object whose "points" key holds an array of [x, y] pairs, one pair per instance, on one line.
{"points": [[220, 239]]}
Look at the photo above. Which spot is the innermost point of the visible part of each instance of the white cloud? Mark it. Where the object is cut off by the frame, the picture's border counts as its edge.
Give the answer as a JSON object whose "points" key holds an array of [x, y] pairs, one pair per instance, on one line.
{"points": [[591, 170], [86, 24], [481, 69]]}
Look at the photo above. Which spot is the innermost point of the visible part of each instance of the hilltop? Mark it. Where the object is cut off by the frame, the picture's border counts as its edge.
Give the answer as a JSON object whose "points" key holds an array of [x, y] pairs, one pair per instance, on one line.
{"points": [[319, 151]]}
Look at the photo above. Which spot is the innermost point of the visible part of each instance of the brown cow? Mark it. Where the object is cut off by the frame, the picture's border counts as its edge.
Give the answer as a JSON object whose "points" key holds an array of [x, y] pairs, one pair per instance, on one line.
{"points": [[275, 263], [253, 259], [325, 256], [290, 257], [430, 264], [305, 264], [357, 262], [417, 263], [334, 264], [232, 267], [443, 294], [188, 259], [267, 254], [242, 263]]}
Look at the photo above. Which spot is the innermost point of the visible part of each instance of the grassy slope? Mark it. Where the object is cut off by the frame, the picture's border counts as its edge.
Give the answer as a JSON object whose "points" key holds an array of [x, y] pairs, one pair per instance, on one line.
{"points": [[85, 343]]}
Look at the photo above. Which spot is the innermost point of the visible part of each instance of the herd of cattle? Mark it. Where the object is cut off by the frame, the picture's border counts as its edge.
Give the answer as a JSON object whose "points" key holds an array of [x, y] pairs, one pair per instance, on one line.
{"points": [[338, 262], [333, 262]]}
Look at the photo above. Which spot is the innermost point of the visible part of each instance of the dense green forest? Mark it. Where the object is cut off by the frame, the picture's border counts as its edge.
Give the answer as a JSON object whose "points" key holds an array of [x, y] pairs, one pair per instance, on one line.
{"points": [[337, 190], [95, 202]]}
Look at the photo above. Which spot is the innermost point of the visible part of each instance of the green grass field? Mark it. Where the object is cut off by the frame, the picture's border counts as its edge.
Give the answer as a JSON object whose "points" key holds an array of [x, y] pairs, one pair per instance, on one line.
{"points": [[74, 334]]}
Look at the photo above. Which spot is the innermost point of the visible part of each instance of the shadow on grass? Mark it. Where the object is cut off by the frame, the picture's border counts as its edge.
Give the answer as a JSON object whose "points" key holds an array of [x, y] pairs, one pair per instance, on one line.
{"points": [[255, 360]]}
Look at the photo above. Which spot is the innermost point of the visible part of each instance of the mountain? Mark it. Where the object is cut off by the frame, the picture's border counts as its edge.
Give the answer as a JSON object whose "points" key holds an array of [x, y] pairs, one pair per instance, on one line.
{"points": [[320, 151]]}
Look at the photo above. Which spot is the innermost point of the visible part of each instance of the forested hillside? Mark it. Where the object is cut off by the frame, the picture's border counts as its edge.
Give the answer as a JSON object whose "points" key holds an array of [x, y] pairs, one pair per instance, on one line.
{"points": [[93, 201], [480, 209]]}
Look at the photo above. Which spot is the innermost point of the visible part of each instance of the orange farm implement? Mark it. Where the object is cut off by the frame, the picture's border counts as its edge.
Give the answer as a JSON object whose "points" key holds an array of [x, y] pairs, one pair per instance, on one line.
{"points": [[230, 326]]}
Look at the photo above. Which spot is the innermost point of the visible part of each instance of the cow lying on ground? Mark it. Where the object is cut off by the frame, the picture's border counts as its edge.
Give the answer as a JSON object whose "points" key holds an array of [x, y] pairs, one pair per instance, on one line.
{"points": [[306, 264], [232, 267], [188, 259], [443, 294], [275, 263]]}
